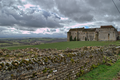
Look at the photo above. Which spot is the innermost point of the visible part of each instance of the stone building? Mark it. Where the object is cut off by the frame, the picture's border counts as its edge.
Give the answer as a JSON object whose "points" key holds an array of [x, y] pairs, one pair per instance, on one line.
{"points": [[119, 34], [104, 33]]}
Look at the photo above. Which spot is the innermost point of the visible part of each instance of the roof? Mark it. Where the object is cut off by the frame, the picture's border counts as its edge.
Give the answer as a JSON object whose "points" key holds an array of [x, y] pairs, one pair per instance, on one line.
{"points": [[108, 26], [82, 29], [91, 30], [75, 29]]}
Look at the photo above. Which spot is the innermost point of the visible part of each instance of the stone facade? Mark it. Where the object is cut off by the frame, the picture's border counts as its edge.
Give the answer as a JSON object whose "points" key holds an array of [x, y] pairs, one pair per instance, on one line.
{"points": [[119, 34], [104, 33]]}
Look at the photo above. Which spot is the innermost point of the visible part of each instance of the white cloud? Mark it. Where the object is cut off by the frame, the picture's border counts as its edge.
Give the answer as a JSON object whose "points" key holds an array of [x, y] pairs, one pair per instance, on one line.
{"points": [[28, 6], [25, 32]]}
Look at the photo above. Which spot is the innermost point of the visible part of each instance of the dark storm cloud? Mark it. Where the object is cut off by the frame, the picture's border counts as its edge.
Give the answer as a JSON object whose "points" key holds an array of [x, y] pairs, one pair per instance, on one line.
{"points": [[11, 15], [53, 30], [104, 10], [25, 28], [2, 29], [46, 4], [75, 10], [46, 14], [52, 11], [89, 10]]}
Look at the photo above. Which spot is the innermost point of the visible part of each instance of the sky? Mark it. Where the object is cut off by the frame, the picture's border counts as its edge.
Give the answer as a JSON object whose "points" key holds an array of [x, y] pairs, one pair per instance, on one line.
{"points": [[54, 18]]}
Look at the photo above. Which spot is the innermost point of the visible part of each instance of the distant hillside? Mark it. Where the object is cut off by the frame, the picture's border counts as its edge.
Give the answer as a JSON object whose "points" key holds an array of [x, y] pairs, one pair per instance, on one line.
{"points": [[4, 42], [64, 45]]}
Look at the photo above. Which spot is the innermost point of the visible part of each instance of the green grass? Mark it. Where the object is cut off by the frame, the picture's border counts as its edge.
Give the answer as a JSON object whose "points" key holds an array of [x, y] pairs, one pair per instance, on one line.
{"points": [[102, 72], [64, 45]]}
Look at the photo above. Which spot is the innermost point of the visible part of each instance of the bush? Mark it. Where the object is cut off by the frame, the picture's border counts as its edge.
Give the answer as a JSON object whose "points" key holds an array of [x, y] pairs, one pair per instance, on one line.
{"points": [[70, 38], [75, 39], [85, 39]]}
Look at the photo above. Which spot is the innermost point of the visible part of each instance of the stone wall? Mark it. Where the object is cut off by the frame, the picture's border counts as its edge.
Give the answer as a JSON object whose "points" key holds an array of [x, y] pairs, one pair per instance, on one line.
{"points": [[73, 34], [68, 36], [91, 36], [66, 65], [107, 34]]}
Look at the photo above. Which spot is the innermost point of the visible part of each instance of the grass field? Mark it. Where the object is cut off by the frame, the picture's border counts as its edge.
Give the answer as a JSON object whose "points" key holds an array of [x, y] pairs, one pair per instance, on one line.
{"points": [[64, 45], [102, 72]]}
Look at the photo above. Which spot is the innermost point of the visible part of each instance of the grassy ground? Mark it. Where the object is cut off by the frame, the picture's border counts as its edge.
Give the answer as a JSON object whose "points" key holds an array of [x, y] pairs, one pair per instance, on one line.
{"points": [[102, 72], [64, 45]]}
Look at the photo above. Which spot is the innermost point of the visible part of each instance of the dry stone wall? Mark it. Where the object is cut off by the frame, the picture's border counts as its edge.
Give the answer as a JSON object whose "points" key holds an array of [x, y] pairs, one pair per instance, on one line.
{"points": [[65, 65]]}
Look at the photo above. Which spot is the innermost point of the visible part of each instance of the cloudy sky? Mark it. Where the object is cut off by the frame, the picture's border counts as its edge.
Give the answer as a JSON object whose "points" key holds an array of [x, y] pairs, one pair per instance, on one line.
{"points": [[53, 18]]}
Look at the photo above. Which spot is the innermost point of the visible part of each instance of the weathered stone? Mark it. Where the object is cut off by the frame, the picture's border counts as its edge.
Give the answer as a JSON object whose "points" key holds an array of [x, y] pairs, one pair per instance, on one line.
{"points": [[50, 75], [0, 67], [113, 60], [68, 50], [2, 59], [32, 56], [118, 77], [109, 64], [61, 64], [1, 52], [109, 53]]}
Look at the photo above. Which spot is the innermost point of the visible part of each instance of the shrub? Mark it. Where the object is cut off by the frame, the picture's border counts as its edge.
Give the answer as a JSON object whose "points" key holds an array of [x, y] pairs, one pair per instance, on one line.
{"points": [[75, 39], [85, 39], [70, 38]]}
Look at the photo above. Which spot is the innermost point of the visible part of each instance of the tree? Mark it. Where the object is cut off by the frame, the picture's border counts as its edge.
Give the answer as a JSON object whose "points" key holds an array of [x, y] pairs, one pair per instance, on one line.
{"points": [[70, 38], [85, 39], [75, 39]]}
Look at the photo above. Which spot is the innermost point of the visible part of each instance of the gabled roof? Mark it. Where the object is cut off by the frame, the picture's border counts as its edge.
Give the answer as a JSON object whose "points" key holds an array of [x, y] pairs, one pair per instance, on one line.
{"points": [[108, 26]]}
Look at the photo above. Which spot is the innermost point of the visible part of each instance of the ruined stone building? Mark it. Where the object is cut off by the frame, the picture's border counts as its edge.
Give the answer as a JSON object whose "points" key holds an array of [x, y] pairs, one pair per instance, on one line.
{"points": [[104, 33], [119, 34]]}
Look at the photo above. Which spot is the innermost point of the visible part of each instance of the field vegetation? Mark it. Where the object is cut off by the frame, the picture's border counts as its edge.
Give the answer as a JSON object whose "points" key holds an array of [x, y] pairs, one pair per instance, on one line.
{"points": [[64, 45]]}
